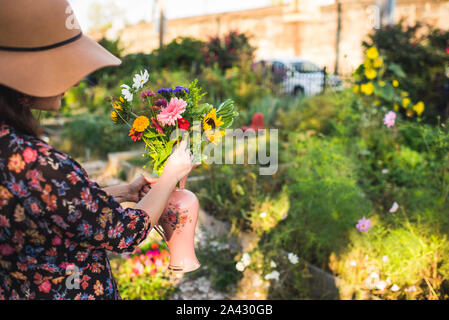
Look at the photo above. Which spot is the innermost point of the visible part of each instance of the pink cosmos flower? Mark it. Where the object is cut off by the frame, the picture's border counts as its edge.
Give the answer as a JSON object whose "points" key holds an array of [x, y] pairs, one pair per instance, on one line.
{"points": [[172, 112], [390, 119], [364, 225]]}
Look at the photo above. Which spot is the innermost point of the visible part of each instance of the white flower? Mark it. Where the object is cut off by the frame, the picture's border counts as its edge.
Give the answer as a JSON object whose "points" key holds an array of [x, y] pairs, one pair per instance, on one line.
{"points": [[246, 259], [273, 264], [126, 93], [374, 275], [385, 171], [381, 285], [395, 288], [293, 258], [263, 215], [394, 208], [141, 79], [240, 266], [410, 289], [352, 263], [272, 276], [385, 258]]}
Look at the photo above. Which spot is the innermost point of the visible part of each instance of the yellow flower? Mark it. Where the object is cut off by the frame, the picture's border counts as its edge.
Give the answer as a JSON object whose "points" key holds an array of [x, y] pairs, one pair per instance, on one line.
{"points": [[117, 105], [214, 136], [210, 121], [382, 83], [356, 88], [367, 64], [419, 108], [409, 113], [404, 94], [372, 53], [396, 107], [367, 88], [122, 100], [395, 83], [141, 123], [114, 116], [406, 102], [370, 73], [377, 102], [377, 63]]}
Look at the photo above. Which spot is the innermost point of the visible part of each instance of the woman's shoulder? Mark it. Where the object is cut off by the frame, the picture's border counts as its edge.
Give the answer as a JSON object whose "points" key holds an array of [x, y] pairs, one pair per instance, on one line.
{"points": [[19, 150]]}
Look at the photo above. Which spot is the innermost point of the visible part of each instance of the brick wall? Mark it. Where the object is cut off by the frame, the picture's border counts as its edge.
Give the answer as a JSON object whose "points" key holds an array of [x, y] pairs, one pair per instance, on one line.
{"points": [[298, 29]]}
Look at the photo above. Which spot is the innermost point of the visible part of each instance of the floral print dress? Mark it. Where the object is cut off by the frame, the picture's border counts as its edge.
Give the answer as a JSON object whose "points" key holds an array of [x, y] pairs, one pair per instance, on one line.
{"points": [[56, 225]]}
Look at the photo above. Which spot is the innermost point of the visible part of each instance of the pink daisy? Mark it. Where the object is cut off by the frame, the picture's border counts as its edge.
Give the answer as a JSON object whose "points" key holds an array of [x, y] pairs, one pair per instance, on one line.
{"points": [[172, 112], [390, 119], [364, 225]]}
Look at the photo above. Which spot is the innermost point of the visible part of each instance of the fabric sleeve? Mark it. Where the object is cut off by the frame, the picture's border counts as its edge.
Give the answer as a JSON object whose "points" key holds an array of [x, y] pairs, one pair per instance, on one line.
{"points": [[60, 191]]}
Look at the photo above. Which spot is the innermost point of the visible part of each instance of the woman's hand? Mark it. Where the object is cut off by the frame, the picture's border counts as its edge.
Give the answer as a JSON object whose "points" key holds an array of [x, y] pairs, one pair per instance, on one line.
{"points": [[179, 164], [139, 188]]}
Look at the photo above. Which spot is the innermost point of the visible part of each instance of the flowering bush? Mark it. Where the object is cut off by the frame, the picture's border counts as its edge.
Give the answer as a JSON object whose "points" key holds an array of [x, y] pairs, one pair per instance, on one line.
{"points": [[144, 275]]}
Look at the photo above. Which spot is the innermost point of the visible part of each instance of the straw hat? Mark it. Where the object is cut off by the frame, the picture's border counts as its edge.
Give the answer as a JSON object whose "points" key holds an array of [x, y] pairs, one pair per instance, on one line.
{"points": [[43, 52]]}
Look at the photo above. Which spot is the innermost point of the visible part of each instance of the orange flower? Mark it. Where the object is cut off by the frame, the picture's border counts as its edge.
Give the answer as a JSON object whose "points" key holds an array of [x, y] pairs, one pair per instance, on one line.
{"points": [[16, 163], [154, 245]]}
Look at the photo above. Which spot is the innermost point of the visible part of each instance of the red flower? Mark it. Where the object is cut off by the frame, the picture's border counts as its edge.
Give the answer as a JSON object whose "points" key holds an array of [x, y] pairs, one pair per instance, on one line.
{"points": [[183, 124], [155, 125], [135, 136], [447, 50], [29, 155], [45, 287]]}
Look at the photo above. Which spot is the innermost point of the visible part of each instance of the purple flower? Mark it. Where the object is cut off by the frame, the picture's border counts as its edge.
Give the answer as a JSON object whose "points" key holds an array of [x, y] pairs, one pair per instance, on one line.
{"points": [[390, 119], [161, 103], [147, 93], [180, 91], [364, 225]]}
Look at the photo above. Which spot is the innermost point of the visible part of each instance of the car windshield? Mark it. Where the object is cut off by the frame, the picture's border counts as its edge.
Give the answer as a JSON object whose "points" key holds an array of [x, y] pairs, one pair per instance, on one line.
{"points": [[306, 67]]}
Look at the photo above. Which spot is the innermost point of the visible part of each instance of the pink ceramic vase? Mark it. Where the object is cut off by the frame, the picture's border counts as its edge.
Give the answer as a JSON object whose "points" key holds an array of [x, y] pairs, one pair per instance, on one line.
{"points": [[177, 227]]}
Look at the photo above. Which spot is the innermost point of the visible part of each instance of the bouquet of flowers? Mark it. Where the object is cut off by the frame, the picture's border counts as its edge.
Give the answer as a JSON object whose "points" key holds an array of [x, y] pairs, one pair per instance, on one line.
{"points": [[160, 119]]}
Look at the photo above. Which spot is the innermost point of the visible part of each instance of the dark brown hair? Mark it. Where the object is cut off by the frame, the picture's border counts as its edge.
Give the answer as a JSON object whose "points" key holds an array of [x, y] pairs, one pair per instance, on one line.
{"points": [[14, 112]]}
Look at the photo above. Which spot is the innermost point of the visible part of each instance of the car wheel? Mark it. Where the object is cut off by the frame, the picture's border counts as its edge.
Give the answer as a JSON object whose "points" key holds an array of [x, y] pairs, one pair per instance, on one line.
{"points": [[299, 91]]}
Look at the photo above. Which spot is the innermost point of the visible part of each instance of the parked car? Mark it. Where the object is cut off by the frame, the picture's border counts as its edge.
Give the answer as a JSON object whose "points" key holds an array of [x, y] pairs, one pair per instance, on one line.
{"points": [[298, 76]]}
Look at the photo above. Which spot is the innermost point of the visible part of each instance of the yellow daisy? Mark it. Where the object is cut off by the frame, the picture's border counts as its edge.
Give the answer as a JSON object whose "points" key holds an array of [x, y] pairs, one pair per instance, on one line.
{"points": [[377, 63], [211, 121], [419, 108], [406, 102], [367, 88], [372, 53], [114, 116], [117, 105], [370, 73], [141, 123], [395, 83], [382, 83]]}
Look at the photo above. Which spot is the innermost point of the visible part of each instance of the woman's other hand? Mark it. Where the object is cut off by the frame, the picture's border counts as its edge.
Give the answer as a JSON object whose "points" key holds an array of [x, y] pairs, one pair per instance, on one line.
{"points": [[139, 188]]}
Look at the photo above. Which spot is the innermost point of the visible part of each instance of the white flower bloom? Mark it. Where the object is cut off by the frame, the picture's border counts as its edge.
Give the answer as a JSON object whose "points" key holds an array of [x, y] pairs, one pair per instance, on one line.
{"points": [[240, 266], [141, 79], [394, 208], [246, 259], [352, 263], [126, 93], [272, 276], [411, 289], [374, 275], [293, 258], [381, 285], [273, 264], [395, 288], [263, 215], [385, 259], [385, 171]]}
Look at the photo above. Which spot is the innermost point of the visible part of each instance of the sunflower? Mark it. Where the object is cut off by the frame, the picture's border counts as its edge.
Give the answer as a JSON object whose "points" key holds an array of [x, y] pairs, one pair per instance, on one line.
{"points": [[117, 105], [114, 116], [210, 121]]}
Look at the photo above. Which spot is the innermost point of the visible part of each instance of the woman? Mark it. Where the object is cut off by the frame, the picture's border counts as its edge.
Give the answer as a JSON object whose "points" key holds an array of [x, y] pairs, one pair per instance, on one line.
{"points": [[56, 224]]}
